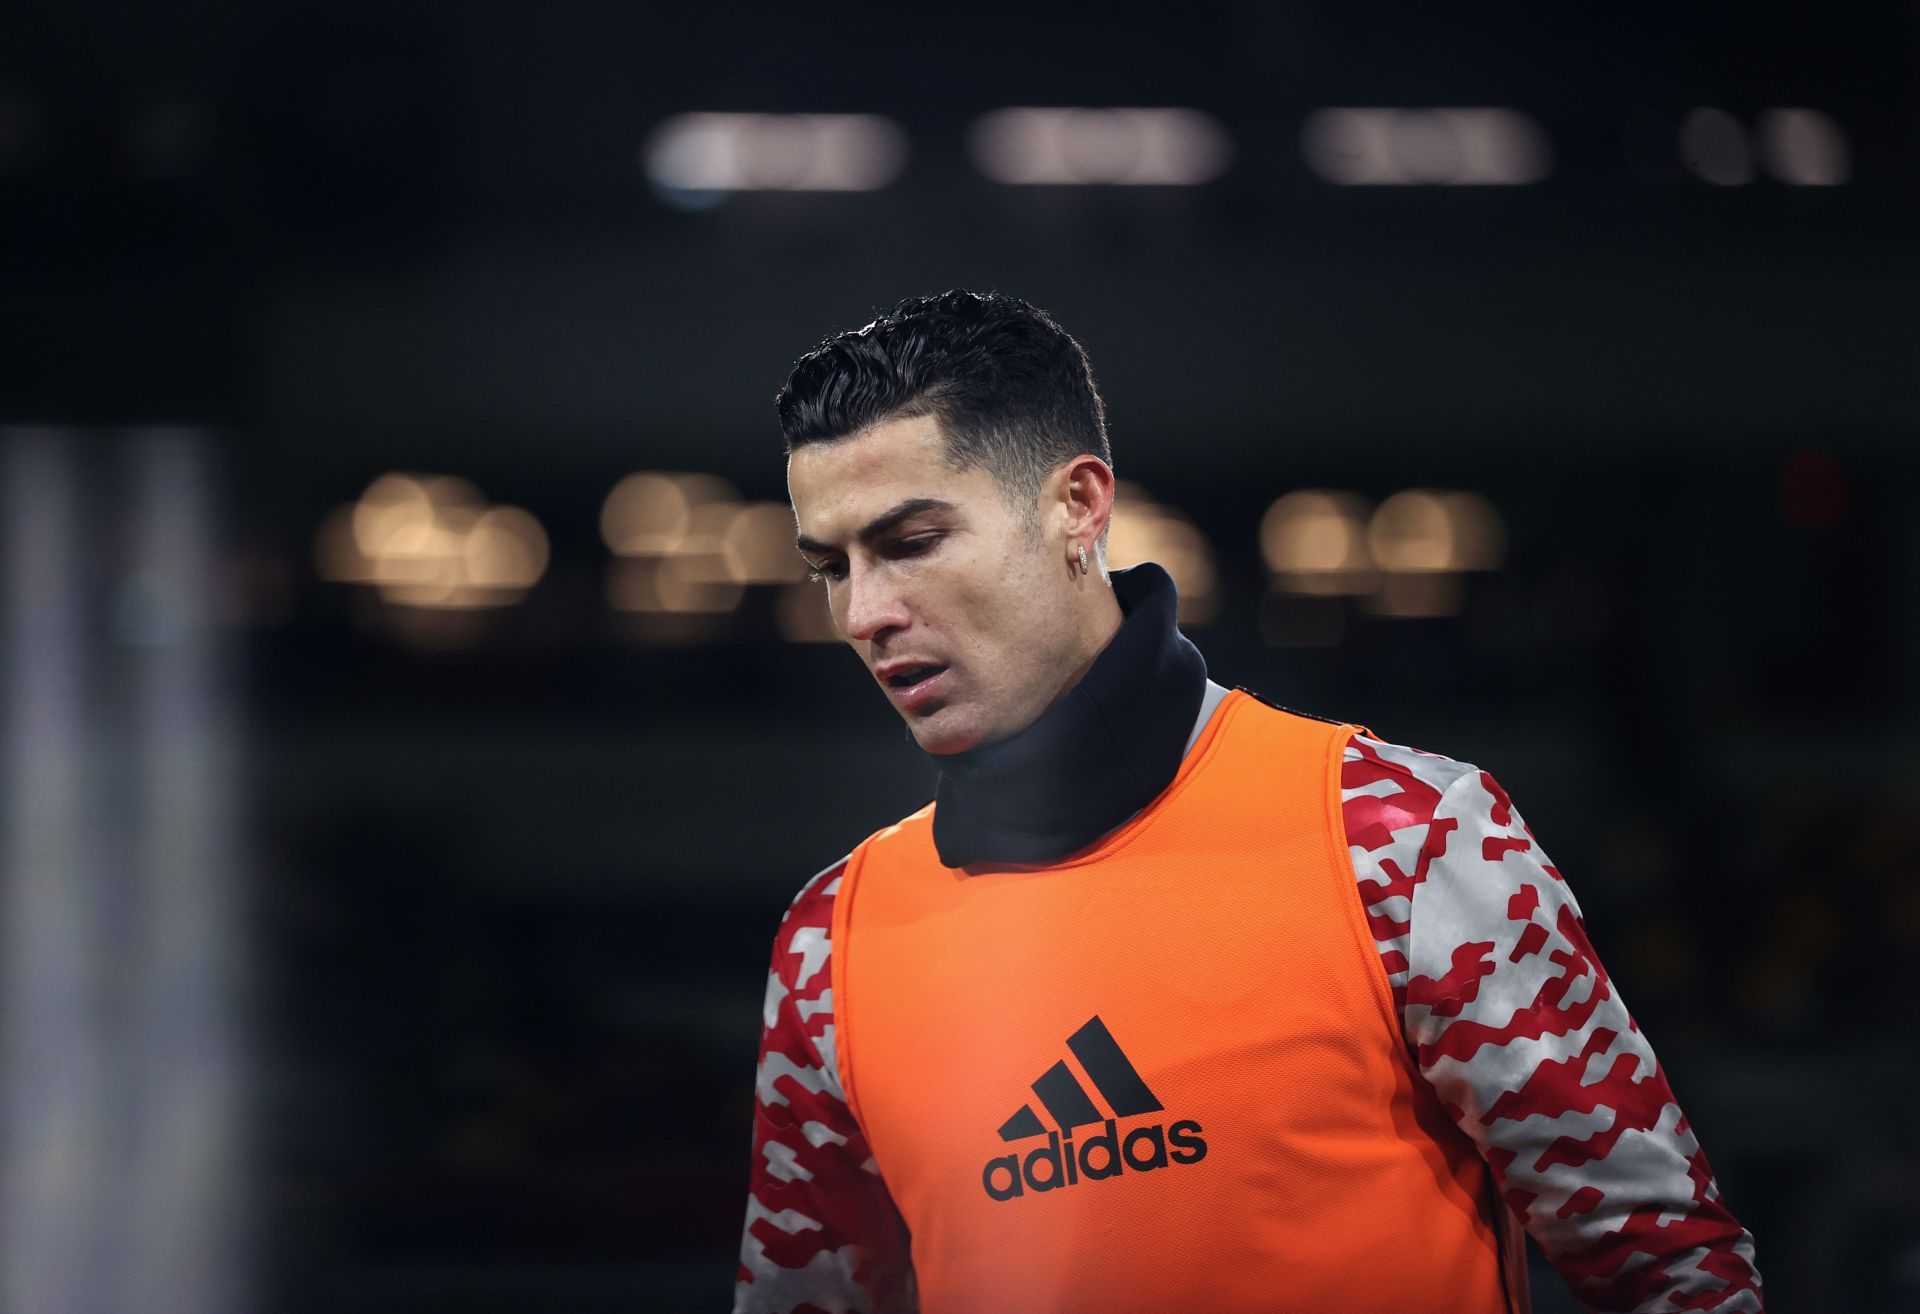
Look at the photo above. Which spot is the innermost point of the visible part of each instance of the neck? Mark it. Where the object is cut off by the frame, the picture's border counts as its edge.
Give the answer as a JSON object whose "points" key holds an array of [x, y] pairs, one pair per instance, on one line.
{"points": [[1102, 620], [1103, 749]]}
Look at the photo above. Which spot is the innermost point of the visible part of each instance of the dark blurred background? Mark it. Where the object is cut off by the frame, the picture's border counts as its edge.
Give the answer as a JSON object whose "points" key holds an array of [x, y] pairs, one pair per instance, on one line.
{"points": [[414, 730]]}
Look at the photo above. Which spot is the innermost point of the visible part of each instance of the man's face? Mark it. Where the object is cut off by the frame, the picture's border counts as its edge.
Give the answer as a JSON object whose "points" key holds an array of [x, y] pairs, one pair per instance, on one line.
{"points": [[958, 609]]}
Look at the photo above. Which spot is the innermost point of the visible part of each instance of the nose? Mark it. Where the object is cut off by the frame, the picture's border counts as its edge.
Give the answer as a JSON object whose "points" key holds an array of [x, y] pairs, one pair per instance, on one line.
{"points": [[874, 606]]}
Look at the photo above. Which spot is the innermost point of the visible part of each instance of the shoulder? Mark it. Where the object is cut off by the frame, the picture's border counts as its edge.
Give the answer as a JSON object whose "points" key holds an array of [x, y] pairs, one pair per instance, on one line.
{"points": [[1397, 804], [1392, 795], [797, 1011], [801, 942], [815, 897], [1390, 792], [1393, 785], [1385, 787], [1441, 858]]}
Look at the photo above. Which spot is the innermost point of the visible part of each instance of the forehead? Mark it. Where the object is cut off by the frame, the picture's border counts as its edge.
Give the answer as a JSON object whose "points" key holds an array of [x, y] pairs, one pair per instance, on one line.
{"points": [[838, 486]]}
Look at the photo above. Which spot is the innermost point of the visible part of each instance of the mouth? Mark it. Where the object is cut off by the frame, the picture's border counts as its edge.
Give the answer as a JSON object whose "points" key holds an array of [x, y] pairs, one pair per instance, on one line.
{"points": [[908, 676], [911, 687]]}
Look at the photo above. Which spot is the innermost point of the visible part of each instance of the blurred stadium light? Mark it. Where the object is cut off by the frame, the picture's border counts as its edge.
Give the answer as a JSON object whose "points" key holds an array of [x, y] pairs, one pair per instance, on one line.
{"points": [[1146, 530], [1404, 559], [1797, 146], [1314, 540], [1422, 540], [757, 545], [1421, 530], [685, 548], [1804, 148], [1126, 147], [651, 512], [693, 156], [696, 531], [1714, 147], [1450, 147], [432, 541]]}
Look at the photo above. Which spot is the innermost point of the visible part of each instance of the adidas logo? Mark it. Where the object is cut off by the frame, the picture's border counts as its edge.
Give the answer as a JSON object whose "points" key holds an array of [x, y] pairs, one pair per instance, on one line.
{"points": [[1104, 1154]]}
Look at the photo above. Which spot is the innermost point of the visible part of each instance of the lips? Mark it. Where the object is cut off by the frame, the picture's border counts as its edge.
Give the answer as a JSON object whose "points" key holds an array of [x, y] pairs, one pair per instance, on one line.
{"points": [[904, 675], [912, 684]]}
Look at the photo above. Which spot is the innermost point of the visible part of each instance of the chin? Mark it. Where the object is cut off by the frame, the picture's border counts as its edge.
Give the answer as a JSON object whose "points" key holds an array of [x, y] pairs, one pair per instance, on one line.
{"points": [[945, 745], [940, 737]]}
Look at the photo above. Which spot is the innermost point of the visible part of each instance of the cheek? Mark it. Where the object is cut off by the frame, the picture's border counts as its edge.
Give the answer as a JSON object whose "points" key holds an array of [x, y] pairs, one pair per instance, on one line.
{"points": [[1005, 615]]}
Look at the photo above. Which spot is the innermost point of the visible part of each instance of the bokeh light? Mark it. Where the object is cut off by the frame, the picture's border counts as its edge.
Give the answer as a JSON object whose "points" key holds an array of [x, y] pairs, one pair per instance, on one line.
{"points": [[1145, 530], [432, 541], [1128, 147], [1466, 147]]}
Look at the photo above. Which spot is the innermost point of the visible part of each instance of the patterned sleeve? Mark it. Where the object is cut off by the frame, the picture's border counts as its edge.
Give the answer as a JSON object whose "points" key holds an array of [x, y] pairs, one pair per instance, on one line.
{"points": [[1521, 1032], [822, 1236]]}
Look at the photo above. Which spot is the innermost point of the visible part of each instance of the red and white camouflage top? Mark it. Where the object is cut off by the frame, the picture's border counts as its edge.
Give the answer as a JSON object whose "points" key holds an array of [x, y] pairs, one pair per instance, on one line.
{"points": [[1506, 1011]]}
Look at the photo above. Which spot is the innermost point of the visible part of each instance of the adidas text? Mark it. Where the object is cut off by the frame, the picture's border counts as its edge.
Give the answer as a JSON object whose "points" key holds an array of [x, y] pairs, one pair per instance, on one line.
{"points": [[1105, 1154]]}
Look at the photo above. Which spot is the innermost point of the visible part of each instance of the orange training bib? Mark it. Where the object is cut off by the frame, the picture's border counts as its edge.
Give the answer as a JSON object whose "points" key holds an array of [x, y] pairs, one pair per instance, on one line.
{"points": [[1163, 1073]]}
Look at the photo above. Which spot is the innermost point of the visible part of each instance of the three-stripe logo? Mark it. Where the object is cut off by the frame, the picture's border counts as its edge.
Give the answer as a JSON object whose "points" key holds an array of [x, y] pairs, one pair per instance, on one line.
{"points": [[1111, 1072], [1105, 1154]]}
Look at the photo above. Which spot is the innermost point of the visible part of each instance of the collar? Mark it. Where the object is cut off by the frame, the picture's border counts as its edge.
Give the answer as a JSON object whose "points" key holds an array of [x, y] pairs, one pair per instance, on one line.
{"points": [[1102, 751]]}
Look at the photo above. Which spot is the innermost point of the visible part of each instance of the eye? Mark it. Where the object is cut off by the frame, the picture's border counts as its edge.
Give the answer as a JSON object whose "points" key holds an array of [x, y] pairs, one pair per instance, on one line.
{"points": [[829, 570], [915, 546]]}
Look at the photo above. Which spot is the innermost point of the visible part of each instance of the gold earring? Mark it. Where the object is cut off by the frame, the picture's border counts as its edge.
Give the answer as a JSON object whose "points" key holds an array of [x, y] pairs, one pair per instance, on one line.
{"points": [[1083, 559]]}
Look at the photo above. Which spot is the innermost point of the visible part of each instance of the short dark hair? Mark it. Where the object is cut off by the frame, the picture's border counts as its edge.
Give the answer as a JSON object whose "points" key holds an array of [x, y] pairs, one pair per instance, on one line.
{"points": [[1013, 392]]}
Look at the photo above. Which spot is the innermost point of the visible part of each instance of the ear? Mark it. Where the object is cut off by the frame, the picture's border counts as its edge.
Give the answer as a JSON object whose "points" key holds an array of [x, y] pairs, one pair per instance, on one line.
{"points": [[1085, 498]]}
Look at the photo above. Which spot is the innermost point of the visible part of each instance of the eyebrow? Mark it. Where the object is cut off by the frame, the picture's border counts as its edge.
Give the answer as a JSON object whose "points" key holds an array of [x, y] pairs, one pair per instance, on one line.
{"points": [[883, 522]]}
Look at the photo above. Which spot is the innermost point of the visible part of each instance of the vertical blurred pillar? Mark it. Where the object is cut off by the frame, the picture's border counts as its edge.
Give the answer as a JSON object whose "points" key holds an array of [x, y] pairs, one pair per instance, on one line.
{"points": [[54, 1051], [182, 1233], [120, 969]]}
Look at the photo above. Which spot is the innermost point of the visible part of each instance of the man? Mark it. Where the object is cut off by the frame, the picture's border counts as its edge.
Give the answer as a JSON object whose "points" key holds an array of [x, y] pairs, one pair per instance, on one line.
{"points": [[1171, 998]]}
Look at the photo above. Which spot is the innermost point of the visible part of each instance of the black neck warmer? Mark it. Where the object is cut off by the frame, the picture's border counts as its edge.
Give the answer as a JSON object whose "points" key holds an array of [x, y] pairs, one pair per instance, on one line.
{"points": [[1102, 751]]}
